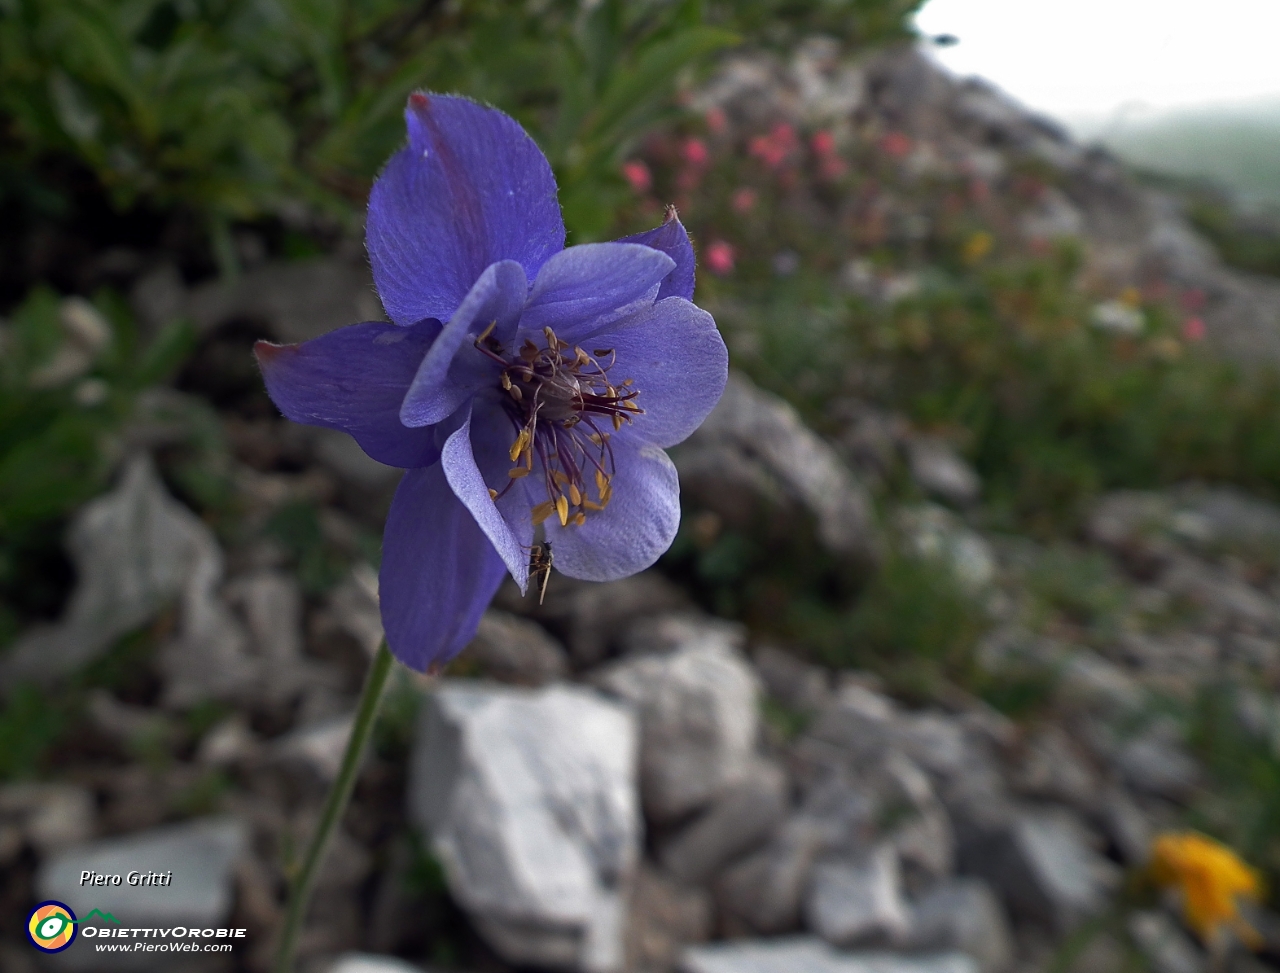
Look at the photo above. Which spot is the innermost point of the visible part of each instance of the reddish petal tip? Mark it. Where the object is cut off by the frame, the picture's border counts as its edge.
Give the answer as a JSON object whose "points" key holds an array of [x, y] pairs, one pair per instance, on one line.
{"points": [[268, 351]]}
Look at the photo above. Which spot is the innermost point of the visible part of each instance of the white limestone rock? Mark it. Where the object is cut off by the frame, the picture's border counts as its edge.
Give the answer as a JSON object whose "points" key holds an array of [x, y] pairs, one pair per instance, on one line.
{"points": [[699, 718], [529, 797]]}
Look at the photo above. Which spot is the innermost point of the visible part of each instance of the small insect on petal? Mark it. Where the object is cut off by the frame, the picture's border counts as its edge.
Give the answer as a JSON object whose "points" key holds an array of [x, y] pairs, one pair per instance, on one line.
{"points": [[562, 509]]}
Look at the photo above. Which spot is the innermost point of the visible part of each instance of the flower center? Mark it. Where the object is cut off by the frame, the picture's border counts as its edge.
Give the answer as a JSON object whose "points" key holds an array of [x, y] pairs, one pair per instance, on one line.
{"points": [[563, 407]]}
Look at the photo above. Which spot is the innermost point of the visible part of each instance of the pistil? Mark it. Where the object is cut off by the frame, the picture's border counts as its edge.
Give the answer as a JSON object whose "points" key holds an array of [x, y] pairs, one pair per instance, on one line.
{"points": [[562, 404]]}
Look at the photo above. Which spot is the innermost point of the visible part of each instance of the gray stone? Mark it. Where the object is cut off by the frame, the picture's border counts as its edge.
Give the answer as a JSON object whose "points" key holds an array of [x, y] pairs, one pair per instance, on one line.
{"points": [[1223, 598], [515, 650], [319, 746], [135, 549], [47, 817], [199, 854], [354, 604], [799, 685], [764, 891], [1155, 765], [342, 454], [665, 633], [699, 720], [753, 450], [939, 472], [297, 300], [936, 533], [529, 797], [1042, 865], [742, 818], [1051, 767], [589, 616], [963, 914], [663, 917], [272, 605], [1224, 520], [858, 901], [1127, 827], [807, 954], [1166, 947], [369, 963]]}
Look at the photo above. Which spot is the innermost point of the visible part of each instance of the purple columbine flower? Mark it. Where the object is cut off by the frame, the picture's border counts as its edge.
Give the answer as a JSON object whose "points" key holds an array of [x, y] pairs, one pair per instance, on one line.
{"points": [[519, 384]]}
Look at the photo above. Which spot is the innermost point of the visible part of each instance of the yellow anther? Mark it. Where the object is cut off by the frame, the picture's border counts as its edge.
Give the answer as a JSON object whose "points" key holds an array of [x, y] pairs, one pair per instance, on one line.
{"points": [[542, 511], [559, 477], [602, 482], [612, 392], [519, 446], [630, 405], [617, 422], [580, 356], [562, 508], [493, 494], [627, 383], [591, 505], [579, 519], [552, 341], [517, 472], [506, 381], [575, 495], [516, 393]]}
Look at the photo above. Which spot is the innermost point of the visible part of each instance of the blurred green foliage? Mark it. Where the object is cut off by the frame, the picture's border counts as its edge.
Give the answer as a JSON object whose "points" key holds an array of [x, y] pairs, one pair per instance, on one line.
{"points": [[70, 373], [1241, 805], [236, 109]]}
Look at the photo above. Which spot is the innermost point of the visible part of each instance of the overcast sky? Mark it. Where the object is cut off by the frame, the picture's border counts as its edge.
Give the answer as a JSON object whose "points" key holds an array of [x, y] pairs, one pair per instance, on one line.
{"points": [[1091, 58]]}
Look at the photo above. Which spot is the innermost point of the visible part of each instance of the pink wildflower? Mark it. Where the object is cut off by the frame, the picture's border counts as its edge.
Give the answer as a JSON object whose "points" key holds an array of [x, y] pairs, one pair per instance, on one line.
{"points": [[1193, 329], [637, 173], [895, 144], [744, 200], [717, 121], [832, 167], [823, 143], [773, 149], [695, 152], [720, 258]]}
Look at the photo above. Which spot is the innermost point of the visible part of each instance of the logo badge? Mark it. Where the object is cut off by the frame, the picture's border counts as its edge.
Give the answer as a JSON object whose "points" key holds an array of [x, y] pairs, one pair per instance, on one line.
{"points": [[51, 927]]}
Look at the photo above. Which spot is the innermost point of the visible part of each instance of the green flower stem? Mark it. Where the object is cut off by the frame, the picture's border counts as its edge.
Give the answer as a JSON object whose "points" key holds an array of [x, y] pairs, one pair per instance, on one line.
{"points": [[334, 806]]}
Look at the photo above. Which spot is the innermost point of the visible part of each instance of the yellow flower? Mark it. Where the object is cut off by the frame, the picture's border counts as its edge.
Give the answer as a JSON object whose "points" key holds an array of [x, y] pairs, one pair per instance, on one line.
{"points": [[977, 246], [1211, 877]]}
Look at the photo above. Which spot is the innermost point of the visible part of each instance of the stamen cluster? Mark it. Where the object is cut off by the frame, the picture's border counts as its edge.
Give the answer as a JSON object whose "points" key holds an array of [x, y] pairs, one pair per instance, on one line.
{"points": [[558, 397]]}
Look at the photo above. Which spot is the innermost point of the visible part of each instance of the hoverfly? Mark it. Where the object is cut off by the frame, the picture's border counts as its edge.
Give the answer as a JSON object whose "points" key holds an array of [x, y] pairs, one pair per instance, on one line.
{"points": [[540, 559]]}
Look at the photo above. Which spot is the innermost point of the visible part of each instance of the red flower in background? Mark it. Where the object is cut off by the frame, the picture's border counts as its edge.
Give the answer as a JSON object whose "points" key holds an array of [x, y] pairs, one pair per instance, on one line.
{"points": [[744, 200], [1193, 329], [720, 257], [895, 144], [694, 152], [637, 173], [773, 149]]}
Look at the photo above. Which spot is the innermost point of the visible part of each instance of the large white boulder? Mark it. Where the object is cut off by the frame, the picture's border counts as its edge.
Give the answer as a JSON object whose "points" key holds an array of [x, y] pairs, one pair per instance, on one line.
{"points": [[530, 801]]}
